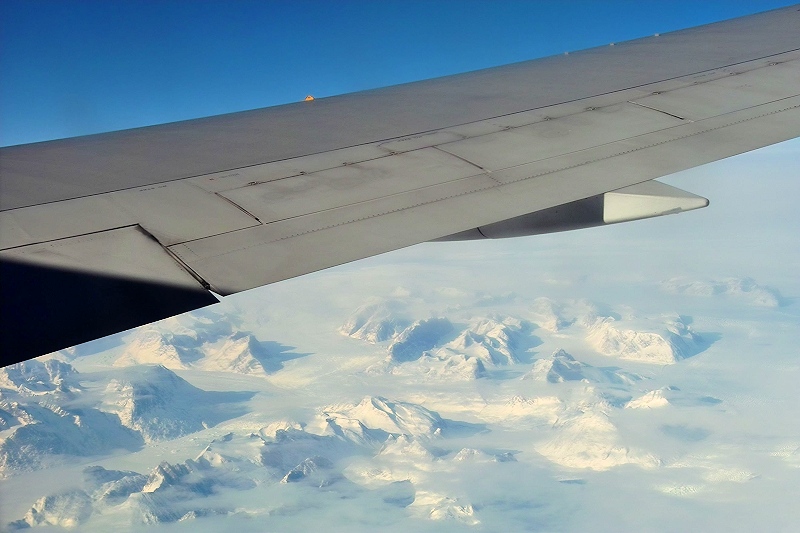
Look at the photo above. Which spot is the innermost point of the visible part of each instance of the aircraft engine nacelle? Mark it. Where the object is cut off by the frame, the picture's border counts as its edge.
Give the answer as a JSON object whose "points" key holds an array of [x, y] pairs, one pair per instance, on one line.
{"points": [[644, 200]]}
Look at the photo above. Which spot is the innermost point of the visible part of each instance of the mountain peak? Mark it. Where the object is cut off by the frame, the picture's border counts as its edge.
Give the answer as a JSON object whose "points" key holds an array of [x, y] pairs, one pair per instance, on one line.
{"points": [[36, 377]]}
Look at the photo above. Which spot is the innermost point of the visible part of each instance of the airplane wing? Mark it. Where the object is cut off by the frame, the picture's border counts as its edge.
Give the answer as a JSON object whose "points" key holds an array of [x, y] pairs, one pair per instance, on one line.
{"points": [[106, 232]]}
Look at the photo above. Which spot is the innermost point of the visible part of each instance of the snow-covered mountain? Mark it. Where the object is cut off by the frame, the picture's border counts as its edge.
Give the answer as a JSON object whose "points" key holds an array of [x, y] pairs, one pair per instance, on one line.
{"points": [[376, 322], [548, 315], [491, 341], [560, 366], [46, 434], [50, 418], [670, 341], [399, 418], [154, 347], [201, 340], [67, 509], [241, 353], [744, 290], [419, 337], [44, 422], [34, 377], [585, 437], [157, 404]]}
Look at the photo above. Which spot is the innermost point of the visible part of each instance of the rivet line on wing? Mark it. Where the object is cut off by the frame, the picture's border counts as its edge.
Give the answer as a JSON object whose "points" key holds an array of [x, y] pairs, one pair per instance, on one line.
{"points": [[61, 241], [396, 210]]}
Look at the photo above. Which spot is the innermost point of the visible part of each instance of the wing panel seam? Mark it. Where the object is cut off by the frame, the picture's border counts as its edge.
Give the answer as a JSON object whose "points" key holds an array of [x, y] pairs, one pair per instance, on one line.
{"points": [[55, 241]]}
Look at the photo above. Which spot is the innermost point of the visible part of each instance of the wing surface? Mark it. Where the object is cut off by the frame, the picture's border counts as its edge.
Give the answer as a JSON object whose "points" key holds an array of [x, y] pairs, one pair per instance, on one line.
{"points": [[236, 201]]}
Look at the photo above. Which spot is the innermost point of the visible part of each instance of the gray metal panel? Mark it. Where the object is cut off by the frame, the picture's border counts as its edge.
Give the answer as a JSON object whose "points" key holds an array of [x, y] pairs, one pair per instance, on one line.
{"points": [[550, 138], [660, 153], [170, 212], [59, 170], [179, 211], [248, 258], [731, 93], [252, 257], [350, 184], [253, 175], [59, 220], [423, 140]]}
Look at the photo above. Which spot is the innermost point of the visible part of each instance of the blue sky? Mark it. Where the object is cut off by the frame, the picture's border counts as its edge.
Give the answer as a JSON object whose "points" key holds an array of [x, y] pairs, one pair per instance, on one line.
{"points": [[72, 68]]}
